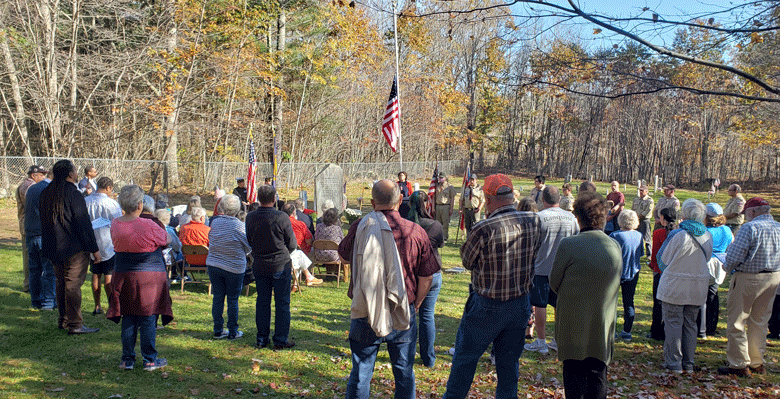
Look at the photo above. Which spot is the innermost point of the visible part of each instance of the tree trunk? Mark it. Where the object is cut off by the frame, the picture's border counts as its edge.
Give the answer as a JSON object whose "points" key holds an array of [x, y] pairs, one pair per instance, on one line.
{"points": [[19, 117]]}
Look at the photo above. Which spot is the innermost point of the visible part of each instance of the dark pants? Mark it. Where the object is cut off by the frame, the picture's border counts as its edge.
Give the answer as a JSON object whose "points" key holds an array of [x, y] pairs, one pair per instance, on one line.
{"points": [[469, 218], [278, 284], [70, 278], [627, 290], [585, 378], [774, 321], [708, 314], [147, 327], [645, 228], [657, 326]]}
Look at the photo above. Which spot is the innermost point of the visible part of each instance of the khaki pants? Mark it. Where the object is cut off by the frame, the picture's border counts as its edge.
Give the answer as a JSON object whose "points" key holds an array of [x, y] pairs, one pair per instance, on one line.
{"points": [[443, 217], [749, 308], [25, 260]]}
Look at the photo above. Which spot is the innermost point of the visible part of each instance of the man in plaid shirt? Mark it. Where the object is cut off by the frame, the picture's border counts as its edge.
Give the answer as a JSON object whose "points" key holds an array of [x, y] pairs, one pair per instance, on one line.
{"points": [[754, 260], [500, 253]]}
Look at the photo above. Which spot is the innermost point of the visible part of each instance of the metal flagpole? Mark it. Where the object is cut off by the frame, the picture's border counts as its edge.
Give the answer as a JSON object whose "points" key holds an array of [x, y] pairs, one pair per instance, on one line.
{"points": [[398, 87]]}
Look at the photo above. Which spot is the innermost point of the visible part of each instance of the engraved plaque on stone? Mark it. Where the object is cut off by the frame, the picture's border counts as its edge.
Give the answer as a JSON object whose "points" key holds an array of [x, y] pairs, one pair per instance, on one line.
{"points": [[329, 185]]}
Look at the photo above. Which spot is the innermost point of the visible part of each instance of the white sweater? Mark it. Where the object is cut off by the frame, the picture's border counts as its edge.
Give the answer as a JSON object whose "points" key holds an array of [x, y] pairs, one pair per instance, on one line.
{"points": [[378, 289]]}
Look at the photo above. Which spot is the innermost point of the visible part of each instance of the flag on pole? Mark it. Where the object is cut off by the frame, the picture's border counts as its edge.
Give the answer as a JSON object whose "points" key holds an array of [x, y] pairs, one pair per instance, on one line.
{"points": [[251, 187], [392, 117], [463, 199], [432, 189]]}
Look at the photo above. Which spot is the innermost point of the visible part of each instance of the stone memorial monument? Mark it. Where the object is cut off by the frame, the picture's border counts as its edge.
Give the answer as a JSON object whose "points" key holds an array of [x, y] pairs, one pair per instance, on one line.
{"points": [[329, 185]]}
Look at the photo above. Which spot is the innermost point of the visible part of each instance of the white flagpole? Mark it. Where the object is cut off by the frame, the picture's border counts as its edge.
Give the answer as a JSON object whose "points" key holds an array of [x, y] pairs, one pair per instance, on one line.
{"points": [[398, 87]]}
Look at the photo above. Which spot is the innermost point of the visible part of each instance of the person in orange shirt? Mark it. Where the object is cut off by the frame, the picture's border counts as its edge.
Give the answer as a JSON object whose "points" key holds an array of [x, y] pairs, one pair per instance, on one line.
{"points": [[304, 238], [196, 233]]}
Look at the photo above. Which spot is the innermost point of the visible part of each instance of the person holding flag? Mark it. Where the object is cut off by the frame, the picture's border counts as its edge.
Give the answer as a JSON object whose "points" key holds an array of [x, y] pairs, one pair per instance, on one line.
{"points": [[444, 198], [471, 202]]}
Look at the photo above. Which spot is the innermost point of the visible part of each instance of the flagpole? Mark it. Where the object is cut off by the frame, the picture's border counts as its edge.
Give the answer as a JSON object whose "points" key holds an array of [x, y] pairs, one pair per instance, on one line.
{"points": [[398, 87]]}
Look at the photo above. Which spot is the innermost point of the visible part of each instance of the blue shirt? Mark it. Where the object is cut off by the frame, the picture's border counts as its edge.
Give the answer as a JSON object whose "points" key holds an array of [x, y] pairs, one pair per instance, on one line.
{"points": [[756, 247], [102, 210], [721, 238], [32, 216], [631, 249]]}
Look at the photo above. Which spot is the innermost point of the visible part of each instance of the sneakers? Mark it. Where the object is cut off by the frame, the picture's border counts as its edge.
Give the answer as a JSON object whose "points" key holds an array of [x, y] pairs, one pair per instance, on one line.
{"points": [[313, 282], [553, 345], [156, 364], [221, 334], [625, 336], [237, 335], [451, 351], [538, 346], [127, 364]]}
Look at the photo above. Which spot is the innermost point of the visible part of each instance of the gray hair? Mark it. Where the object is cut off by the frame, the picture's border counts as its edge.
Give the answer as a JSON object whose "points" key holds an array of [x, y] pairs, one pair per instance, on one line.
{"points": [[693, 209], [230, 205], [299, 204], [198, 214], [328, 204], [129, 198], [192, 203], [385, 193], [163, 215], [628, 219], [148, 204]]}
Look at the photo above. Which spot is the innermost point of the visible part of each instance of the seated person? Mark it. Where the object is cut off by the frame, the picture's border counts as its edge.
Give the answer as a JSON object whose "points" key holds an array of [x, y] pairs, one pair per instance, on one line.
{"points": [[185, 217], [329, 229], [304, 239], [164, 216], [300, 213], [195, 233]]}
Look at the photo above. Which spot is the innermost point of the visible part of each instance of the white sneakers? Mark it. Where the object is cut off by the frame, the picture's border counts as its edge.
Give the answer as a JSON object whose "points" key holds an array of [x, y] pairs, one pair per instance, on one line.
{"points": [[538, 346], [553, 345]]}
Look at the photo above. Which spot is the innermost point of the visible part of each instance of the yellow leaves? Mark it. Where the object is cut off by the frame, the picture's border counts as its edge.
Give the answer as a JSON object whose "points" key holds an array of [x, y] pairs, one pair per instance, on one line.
{"points": [[755, 37]]}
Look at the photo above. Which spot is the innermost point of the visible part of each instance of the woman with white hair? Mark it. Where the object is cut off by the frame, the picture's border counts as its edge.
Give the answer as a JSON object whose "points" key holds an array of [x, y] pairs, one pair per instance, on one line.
{"points": [[228, 248], [631, 248], [682, 290]]}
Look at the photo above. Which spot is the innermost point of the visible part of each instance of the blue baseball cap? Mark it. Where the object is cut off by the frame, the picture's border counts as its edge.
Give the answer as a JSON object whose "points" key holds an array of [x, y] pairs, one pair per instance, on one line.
{"points": [[714, 209]]}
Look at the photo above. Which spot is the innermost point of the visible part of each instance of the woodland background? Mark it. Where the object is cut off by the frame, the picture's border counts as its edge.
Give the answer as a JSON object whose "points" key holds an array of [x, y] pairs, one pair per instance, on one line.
{"points": [[518, 83]]}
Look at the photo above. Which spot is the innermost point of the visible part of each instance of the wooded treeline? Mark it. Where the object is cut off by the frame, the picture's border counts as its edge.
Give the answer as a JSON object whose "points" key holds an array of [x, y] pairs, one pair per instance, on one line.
{"points": [[184, 80]]}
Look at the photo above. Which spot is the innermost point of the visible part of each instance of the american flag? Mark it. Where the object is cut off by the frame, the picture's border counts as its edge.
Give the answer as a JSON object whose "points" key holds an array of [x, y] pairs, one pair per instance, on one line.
{"points": [[251, 191], [432, 189], [392, 117]]}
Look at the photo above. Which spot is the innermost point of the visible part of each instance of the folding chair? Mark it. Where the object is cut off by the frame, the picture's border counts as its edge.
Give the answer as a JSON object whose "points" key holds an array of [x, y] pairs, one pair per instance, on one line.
{"points": [[329, 266], [189, 251]]}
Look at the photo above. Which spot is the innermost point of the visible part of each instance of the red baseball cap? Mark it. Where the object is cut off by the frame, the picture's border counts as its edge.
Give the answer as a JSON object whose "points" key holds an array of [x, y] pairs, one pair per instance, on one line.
{"points": [[497, 184], [754, 202]]}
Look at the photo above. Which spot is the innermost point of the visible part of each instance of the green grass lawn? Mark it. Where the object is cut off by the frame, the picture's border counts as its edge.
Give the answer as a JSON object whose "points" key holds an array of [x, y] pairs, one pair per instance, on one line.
{"points": [[38, 360]]}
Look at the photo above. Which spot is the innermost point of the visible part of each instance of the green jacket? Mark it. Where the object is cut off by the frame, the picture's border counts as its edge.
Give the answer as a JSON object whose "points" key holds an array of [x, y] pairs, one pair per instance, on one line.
{"points": [[586, 277]]}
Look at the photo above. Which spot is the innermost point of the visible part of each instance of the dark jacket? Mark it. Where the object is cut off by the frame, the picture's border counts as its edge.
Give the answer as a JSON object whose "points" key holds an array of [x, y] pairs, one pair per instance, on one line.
{"points": [[306, 219], [32, 216], [71, 235], [271, 237]]}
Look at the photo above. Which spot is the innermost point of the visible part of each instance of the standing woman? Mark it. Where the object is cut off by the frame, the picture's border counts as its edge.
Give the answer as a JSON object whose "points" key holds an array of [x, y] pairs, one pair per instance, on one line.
{"points": [[586, 277], [721, 238], [226, 264], [140, 286], [67, 241], [682, 290], [631, 246], [668, 222], [418, 213]]}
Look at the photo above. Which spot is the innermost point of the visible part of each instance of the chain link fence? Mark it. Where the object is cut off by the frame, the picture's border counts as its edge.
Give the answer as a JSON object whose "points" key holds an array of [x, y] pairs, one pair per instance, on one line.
{"points": [[204, 176]]}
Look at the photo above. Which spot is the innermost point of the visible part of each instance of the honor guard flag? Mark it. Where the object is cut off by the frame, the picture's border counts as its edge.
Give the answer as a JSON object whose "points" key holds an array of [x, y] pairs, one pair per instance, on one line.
{"points": [[392, 117], [251, 191], [432, 189]]}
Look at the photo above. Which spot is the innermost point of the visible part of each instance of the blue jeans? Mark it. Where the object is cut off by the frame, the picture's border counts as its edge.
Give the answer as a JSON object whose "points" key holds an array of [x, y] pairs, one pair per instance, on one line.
{"points": [[279, 284], [427, 331], [484, 321], [147, 326], [627, 291], [365, 344], [225, 283], [42, 280]]}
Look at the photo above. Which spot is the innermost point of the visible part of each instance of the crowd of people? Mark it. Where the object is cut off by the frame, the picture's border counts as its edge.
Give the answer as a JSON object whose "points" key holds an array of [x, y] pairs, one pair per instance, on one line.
{"points": [[550, 248]]}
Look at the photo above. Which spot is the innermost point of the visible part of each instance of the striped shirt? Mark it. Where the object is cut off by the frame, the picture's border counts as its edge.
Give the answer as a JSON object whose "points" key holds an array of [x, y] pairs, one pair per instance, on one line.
{"points": [[756, 247], [500, 253], [228, 245]]}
